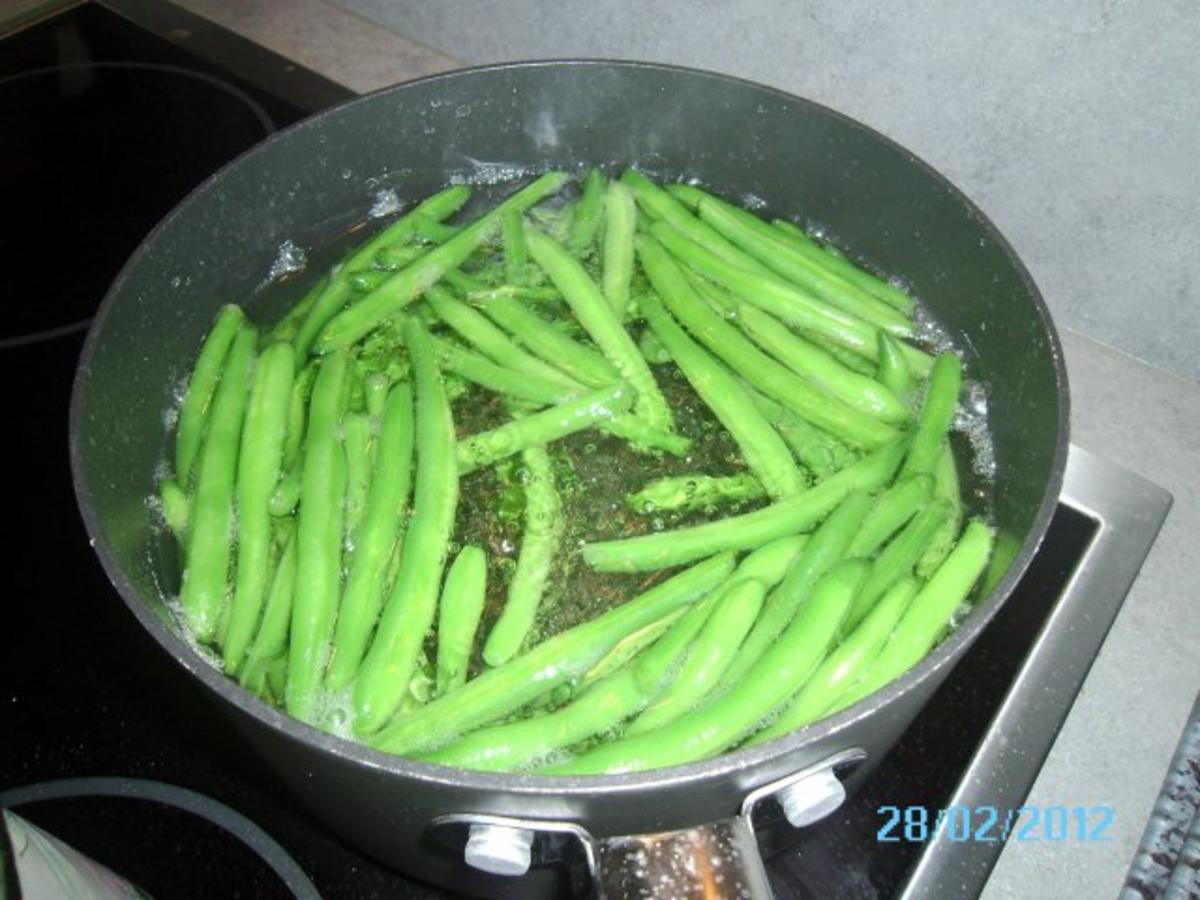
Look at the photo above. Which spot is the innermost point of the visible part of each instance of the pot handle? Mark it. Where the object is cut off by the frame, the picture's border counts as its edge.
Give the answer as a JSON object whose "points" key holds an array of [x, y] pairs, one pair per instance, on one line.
{"points": [[715, 860]]}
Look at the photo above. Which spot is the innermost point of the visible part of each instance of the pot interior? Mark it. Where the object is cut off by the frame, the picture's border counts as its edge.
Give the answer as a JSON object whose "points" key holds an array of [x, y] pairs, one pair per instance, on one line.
{"points": [[785, 156]]}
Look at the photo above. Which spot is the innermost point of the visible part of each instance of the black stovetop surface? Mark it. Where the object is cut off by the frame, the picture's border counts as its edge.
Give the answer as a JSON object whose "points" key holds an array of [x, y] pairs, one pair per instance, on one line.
{"points": [[83, 691]]}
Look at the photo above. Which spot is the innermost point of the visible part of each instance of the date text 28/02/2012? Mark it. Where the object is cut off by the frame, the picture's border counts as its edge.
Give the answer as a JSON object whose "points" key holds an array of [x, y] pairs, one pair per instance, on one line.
{"points": [[990, 824]]}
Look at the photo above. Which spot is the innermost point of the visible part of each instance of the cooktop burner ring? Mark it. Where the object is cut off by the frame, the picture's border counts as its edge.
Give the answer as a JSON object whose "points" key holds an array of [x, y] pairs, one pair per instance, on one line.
{"points": [[73, 286], [231, 822]]}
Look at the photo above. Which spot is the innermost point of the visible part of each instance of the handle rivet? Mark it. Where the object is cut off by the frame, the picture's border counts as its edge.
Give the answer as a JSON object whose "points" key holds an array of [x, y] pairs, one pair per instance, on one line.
{"points": [[812, 798], [499, 849]]}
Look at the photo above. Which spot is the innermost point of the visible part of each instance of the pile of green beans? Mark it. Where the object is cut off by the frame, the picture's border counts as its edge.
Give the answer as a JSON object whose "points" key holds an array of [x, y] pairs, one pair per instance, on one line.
{"points": [[384, 530]]}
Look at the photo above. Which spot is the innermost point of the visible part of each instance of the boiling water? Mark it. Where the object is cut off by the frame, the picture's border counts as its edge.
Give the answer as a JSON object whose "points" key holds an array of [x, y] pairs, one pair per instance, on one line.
{"points": [[595, 472]]}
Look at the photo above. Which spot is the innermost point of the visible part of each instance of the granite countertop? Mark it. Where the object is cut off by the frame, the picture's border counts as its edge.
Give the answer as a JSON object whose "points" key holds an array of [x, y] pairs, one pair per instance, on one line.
{"points": [[1118, 740]]}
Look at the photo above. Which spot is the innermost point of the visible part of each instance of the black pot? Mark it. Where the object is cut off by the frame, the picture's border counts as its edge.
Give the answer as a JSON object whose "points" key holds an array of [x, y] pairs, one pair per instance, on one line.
{"points": [[736, 137]]}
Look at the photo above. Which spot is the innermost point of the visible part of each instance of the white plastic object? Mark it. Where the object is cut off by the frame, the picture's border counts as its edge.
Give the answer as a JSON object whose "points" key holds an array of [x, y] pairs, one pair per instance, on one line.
{"points": [[499, 849], [812, 798]]}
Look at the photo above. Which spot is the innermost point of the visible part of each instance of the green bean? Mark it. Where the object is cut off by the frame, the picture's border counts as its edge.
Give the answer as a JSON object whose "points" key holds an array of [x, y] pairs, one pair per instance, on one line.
{"points": [[721, 722], [857, 391], [668, 548], [652, 349], [176, 508], [270, 641], [433, 231], [763, 372], [367, 280], [631, 646], [835, 261], [480, 293], [530, 388], [555, 219], [409, 283], [598, 320], [293, 439], [505, 689], [410, 609], [847, 358], [600, 706], [776, 296], [844, 665], [382, 523], [764, 451], [769, 563], [206, 577], [659, 205], [791, 231], [434, 208], [945, 488], [765, 244], [516, 254], [896, 560], [458, 617], [544, 427], [259, 460], [490, 340], [286, 494], [892, 509], [484, 372], [708, 657], [820, 452], [541, 338], [201, 386], [766, 565], [543, 530], [622, 691], [687, 194], [275, 678], [514, 745], [937, 414], [393, 259], [927, 616], [827, 545], [356, 437], [285, 329], [695, 492], [644, 437], [328, 305], [894, 371], [589, 212], [375, 391], [318, 540], [620, 217]]}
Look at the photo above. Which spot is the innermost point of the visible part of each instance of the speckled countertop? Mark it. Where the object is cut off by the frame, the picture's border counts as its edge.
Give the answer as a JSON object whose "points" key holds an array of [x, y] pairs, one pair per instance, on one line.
{"points": [[1118, 741]]}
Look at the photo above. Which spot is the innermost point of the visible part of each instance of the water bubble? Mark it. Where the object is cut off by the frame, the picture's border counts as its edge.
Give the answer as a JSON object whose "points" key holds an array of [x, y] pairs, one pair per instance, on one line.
{"points": [[290, 258], [384, 203]]}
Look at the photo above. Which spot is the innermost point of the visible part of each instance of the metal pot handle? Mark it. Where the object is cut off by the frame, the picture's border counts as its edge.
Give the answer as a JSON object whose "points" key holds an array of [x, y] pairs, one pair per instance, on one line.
{"points": [[715, 860]]}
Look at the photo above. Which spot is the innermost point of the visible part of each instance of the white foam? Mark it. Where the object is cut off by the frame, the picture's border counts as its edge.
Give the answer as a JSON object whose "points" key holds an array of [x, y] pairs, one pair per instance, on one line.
{"points": [[384, 203], [290, 258]]}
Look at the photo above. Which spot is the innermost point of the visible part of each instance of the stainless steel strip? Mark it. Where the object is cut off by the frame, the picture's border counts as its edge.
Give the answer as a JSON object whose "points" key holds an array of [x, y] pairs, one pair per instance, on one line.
{"points": [[1129, 511]]}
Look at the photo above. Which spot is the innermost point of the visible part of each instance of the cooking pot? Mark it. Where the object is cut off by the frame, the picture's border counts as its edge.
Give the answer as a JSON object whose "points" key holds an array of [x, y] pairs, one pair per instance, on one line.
{"points": [[740, 139]]}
